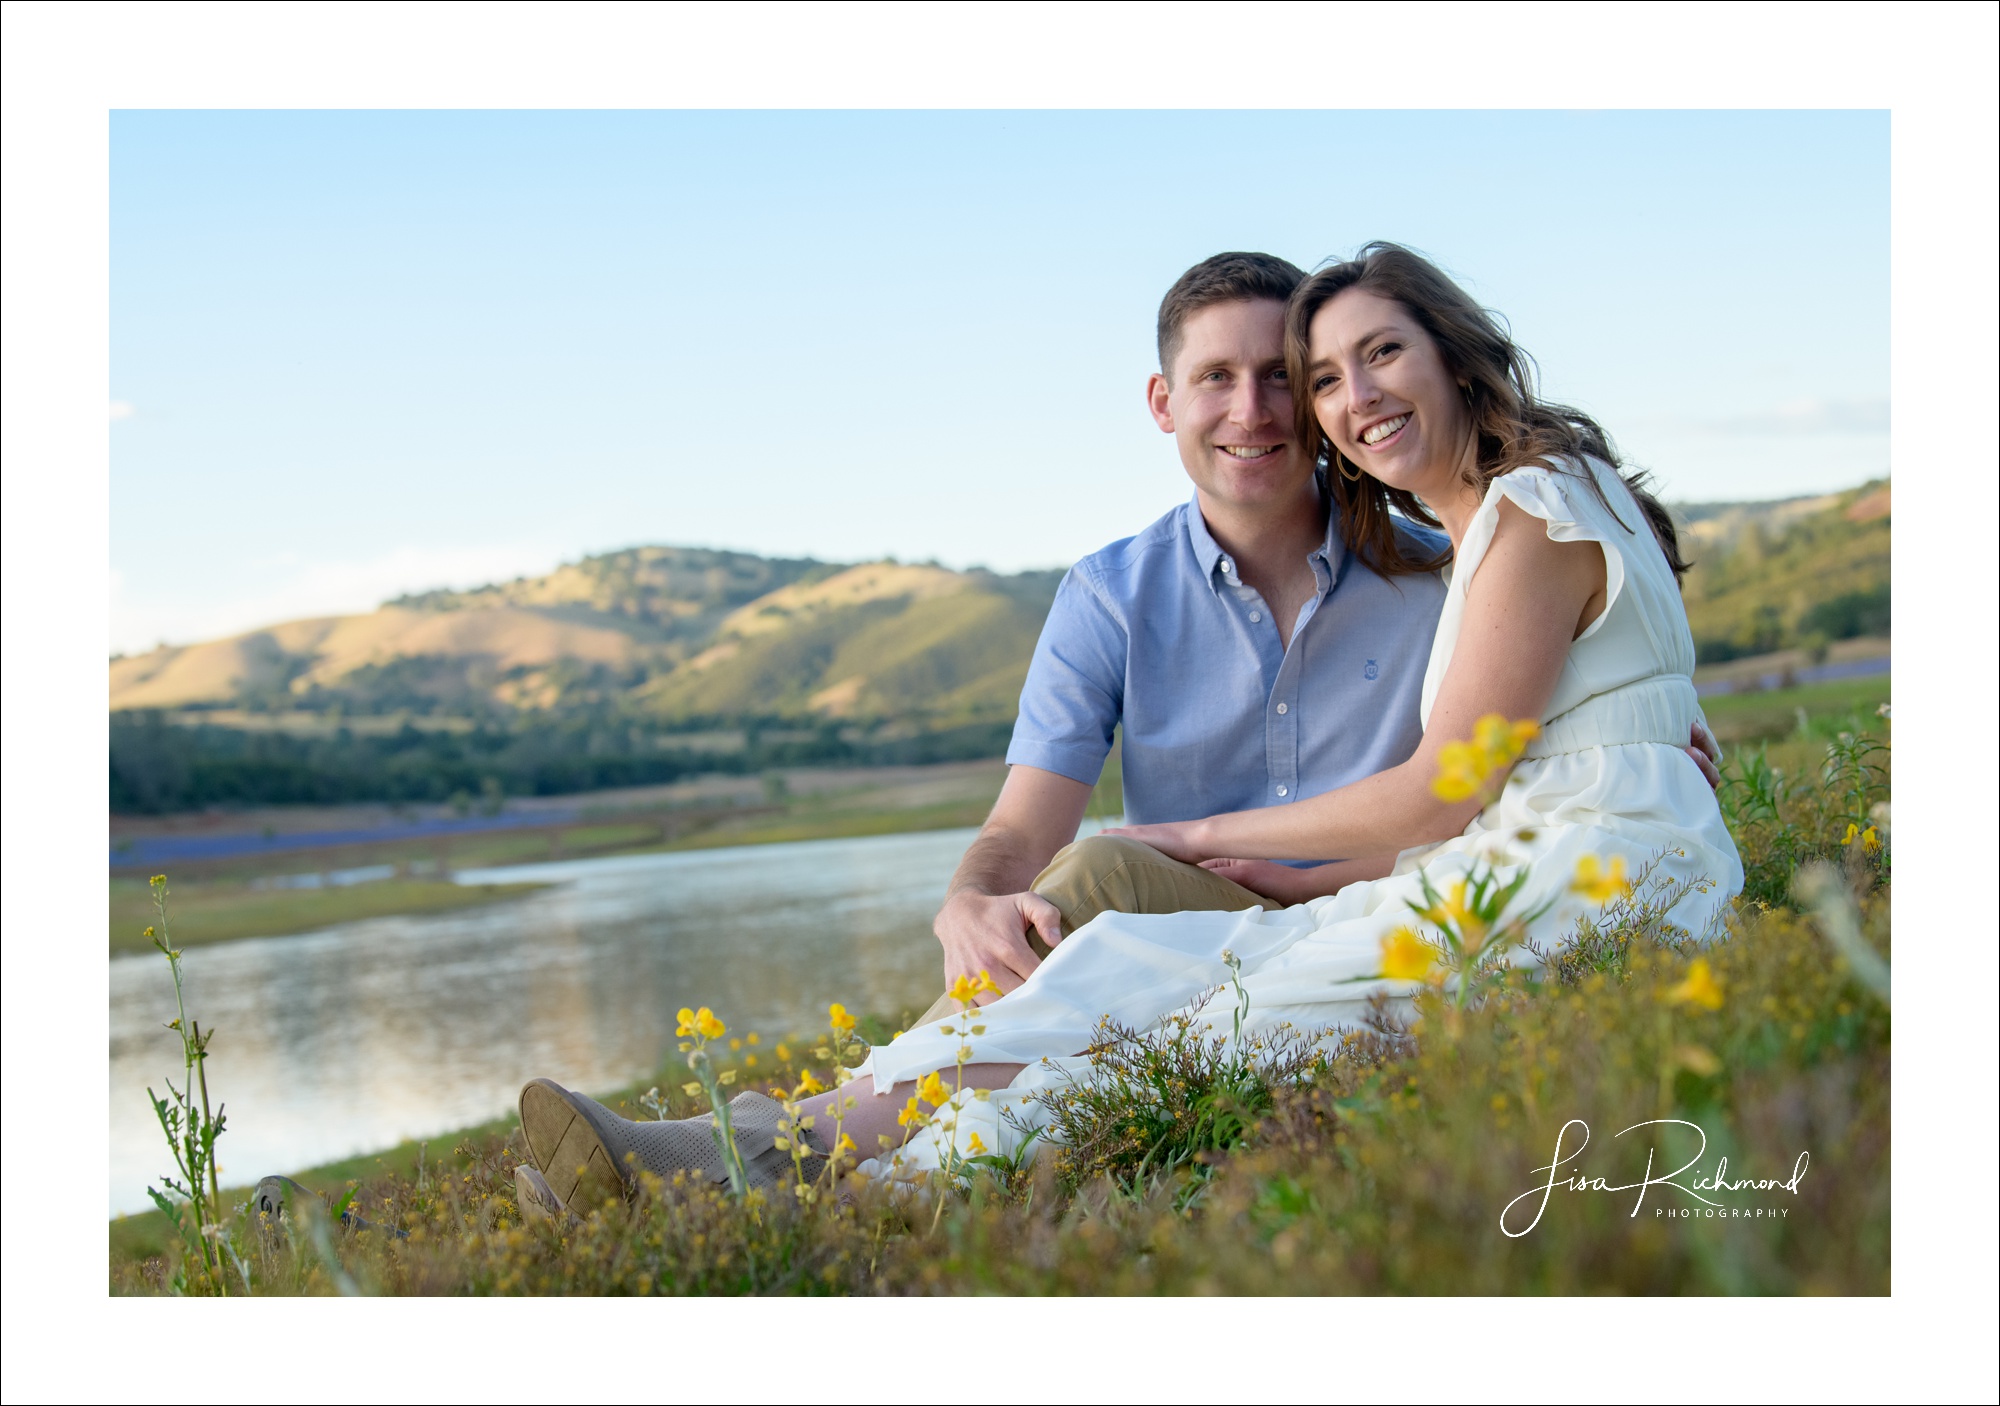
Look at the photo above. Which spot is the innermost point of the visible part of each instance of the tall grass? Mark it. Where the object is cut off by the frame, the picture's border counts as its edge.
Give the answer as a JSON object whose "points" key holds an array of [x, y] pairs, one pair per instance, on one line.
{"points": [[1386, 1166]]}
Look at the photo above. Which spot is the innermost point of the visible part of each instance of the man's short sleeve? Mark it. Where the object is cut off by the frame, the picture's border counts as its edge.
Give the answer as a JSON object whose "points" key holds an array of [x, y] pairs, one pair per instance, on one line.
{"points": [[1075, 693]]}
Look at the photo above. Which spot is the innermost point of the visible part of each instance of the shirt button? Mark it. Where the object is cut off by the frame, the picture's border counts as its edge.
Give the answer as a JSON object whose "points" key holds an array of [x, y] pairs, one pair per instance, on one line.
{"points": [[1281, 791], [1282, 709], [1255, 617]]}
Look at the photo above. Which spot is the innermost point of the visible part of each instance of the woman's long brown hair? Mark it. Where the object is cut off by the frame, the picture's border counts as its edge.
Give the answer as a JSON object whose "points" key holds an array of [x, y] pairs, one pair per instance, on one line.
{"points": [[1514, 426]]}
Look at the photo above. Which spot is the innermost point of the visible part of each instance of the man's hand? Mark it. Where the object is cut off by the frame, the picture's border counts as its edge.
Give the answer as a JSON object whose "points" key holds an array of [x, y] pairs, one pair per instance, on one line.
{"points": [[1707, 753], [986, 933]]}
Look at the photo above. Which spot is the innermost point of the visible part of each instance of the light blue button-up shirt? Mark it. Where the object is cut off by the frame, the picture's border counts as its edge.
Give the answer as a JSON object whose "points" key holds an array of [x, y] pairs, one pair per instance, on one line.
{"points": [[1158, 633]]}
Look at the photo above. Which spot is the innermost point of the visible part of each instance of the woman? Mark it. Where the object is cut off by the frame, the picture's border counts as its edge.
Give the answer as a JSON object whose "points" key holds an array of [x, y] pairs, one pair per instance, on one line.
{"points": [[1563, 607]]}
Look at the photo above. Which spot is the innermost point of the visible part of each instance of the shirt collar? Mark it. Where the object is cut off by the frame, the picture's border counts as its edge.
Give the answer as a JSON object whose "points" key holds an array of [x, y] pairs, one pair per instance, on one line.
{"points": [[1208, 553]]}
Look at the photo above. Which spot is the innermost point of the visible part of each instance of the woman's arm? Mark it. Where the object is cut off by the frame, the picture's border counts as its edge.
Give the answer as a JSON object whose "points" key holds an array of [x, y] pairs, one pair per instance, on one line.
{"points": [[1530, 597], [1282, 884]]}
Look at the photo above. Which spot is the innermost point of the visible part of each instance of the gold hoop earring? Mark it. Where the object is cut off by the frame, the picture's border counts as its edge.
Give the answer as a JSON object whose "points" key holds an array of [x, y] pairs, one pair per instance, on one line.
{"points": [[1354, 477]]}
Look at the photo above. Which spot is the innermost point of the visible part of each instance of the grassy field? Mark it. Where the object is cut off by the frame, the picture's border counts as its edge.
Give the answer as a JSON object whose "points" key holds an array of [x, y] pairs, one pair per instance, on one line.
{"points": [[1384, 1169], [1812, 710]]}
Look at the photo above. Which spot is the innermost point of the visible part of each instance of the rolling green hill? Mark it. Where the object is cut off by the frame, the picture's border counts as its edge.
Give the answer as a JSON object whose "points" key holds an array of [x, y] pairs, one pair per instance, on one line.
{"points": [[1792, 574], [630, 668]]}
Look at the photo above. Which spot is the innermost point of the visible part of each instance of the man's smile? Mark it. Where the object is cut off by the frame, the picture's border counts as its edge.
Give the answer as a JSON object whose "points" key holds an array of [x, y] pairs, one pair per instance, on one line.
{"points": [[1249, 451]]}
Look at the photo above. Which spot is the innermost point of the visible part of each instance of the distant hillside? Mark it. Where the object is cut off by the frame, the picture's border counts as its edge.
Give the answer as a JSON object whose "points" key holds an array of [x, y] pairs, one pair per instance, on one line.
{"points": [[646, 665], [663, 634], [1794, 573], [629, 668]]}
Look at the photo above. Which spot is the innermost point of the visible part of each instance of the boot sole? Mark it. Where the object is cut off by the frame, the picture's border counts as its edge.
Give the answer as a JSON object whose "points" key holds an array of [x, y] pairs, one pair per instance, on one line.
{"points": [[567, 1148]]}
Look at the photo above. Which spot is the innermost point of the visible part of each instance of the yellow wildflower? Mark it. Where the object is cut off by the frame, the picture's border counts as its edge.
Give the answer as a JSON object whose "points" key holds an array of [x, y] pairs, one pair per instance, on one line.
{"points": [[707, 1026], [147, 933], [1452, 911], [690, 1089], [1459, 773], [964, 991], [1406, 957], [932, 1089], [838, 1018], [1700, 987], [1698, 1059], [974, 1146], [685, 1017], [809, 1085], [752, 1037], [910, 1114], [1870, 841], [1600, 882], [157, 880]]}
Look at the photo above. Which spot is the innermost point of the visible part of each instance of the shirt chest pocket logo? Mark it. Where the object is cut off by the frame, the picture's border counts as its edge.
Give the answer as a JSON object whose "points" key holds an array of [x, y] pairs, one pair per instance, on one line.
{"points": [[1371, 671]]}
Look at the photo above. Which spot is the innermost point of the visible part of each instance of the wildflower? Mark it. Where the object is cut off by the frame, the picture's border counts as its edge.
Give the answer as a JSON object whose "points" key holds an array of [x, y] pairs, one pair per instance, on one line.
{"points": [[735, 1044], [1700, 988], [1698, 1059], [974, 1145], [147, 933], [932, 1089], [1406, 957], [1464, 767], [157, 880], [707, 1026], [685, 1017], [1870, 842], [809, 1085], [838, 1018], [1453, 912], [1459, 776], [910, 1114], [1600, 882], [690, 1089], [751, 1037]]}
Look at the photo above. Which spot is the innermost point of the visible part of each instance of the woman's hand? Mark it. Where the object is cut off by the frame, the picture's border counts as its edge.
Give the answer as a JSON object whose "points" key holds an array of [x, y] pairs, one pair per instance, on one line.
{"points": [[1280, 883], [1176, 840]]}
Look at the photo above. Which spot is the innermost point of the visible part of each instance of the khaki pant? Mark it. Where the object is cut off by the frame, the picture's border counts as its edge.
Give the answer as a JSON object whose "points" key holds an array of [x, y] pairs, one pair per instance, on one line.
{"points": [[1110, 874]]}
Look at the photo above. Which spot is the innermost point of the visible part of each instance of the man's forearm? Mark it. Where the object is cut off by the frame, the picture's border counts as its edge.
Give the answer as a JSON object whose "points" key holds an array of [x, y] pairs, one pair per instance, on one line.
{"points": [[1001, 860]]}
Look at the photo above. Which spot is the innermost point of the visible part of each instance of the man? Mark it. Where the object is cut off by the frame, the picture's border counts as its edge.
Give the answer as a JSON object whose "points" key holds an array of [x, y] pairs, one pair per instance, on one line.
{"points": [[1248, 657]]}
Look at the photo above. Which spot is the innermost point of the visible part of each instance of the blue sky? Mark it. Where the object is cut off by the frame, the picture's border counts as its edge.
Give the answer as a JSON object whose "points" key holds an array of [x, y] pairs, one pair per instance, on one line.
{"points": [[355, 354]]}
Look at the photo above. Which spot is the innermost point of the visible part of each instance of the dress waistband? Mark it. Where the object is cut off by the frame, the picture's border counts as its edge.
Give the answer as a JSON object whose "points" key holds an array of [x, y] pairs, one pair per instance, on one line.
{"points": [[1658, 709]]}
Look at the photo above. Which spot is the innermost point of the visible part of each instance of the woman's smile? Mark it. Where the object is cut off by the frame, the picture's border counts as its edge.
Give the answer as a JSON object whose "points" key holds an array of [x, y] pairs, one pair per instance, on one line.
{"points": [[1384, 430]]}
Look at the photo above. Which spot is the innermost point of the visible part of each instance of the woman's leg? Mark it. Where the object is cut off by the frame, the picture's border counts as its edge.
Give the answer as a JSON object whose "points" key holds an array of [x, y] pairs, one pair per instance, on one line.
{"points": [[871, 1119]]}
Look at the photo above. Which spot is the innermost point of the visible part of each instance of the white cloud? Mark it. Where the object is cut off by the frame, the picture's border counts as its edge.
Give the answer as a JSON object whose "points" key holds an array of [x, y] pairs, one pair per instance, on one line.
{"points": [[1854, 415], [123, 410]]}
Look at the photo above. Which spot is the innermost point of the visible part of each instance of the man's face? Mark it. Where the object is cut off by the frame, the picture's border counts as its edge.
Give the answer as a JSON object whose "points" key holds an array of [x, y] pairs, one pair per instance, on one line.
{"points": [[1229, 408]]}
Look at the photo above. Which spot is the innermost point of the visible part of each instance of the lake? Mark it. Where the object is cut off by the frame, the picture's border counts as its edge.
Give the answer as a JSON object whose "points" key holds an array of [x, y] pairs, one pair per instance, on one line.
{"points": [[357, 1037]]}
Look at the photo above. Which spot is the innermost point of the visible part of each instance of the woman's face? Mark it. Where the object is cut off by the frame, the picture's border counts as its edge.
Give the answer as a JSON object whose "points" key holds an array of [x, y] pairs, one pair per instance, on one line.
{"points": [[1381, 391]]}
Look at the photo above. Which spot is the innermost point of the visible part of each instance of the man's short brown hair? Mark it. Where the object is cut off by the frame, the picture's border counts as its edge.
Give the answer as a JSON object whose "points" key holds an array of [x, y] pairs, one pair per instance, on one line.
{"points": [[1221, 278]]}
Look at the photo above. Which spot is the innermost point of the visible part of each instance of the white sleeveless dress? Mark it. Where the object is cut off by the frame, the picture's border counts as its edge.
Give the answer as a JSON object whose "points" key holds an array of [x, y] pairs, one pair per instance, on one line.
{"points": [[1606, 777]]}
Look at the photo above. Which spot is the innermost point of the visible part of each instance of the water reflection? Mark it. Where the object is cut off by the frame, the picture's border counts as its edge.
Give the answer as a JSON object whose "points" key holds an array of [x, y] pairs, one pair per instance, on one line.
{"points": [[353, 1038]]}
